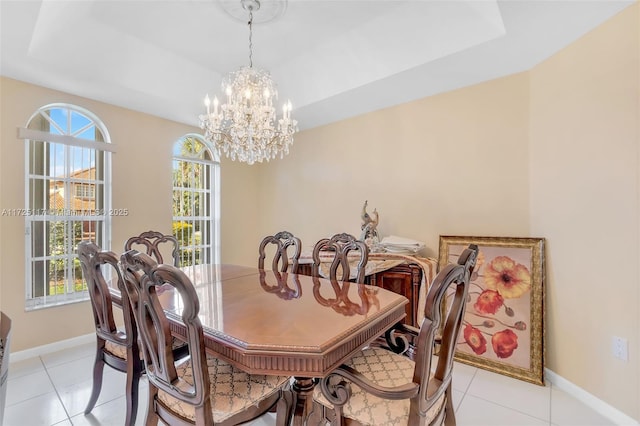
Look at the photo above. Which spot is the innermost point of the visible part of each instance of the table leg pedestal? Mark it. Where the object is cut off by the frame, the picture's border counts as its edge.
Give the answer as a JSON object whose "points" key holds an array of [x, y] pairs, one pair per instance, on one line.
{"points": [[302, 399]]}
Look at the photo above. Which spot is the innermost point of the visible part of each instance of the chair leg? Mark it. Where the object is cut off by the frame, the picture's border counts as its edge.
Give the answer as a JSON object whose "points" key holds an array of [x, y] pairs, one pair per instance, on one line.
{"points": [[152, 416], [284, 407], [449, 413], [317, 416], [134, 372], [98, 367]]}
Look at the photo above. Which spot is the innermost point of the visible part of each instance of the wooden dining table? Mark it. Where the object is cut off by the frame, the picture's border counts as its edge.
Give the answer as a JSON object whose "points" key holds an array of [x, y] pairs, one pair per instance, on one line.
{"points": [[267, 322]]}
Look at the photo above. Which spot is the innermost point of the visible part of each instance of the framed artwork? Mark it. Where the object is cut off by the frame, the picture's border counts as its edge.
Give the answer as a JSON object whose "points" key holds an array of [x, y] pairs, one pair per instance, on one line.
{"points": [[503, 325]]}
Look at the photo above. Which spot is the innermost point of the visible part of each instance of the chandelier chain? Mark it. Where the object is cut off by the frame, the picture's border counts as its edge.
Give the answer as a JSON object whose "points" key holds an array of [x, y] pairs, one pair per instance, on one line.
{"points": [[250, 37]]}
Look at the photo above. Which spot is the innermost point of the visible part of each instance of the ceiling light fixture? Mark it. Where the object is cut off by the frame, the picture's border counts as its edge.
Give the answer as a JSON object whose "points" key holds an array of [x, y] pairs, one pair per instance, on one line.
{"points": [[246, 127]]}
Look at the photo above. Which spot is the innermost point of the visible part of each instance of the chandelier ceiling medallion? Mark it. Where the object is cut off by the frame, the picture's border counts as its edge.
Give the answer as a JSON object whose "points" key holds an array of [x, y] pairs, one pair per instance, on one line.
{"points": [[246, 127]]}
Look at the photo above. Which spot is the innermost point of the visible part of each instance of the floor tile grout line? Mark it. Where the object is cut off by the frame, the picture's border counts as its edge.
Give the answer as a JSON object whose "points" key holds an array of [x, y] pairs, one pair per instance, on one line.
{"points": [[38, 363], [471, 381], [55, 388], [514, 409], [464, 394], [69, 417], [24, 376], [505, 406]]}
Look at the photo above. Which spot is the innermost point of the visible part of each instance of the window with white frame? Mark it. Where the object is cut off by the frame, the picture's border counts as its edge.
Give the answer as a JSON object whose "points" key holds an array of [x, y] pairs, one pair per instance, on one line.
{"points": [[67, 193], [85, 190], [196, 211]]}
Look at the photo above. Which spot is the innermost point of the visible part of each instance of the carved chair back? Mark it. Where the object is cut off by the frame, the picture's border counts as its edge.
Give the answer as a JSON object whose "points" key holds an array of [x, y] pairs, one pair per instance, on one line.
{"points": [[282, 241], [429, 393], [93, 262], [153, 243], [115, 348], [142, 278], [340, 246], [444, 312]]}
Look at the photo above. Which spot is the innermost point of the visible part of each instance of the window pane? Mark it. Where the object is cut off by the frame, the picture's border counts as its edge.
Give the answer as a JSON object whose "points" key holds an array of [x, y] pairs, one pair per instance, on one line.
{"points": [[57, 195], [57, 159], [79, 121], [59, 121], [192, 200], [67, 197], [40, 283]]}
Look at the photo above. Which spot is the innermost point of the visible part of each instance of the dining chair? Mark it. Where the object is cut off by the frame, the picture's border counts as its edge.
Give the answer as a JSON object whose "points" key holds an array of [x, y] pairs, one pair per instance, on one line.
{"points": [[116, 348], [153, 242], [282, 240], [382, 386], [340, 246], [201, 389]]}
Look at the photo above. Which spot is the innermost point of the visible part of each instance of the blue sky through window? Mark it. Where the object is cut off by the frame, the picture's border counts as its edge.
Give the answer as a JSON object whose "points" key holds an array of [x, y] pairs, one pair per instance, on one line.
{"points": [[67, 122]]}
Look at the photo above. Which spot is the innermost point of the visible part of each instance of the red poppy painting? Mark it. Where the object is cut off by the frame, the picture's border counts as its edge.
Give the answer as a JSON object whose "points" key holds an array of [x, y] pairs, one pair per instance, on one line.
{"points": [[502, 328]]}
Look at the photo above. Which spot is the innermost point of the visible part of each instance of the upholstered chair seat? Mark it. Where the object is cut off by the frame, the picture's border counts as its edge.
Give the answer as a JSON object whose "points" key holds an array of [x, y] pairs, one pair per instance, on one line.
{"points": [[387, 369], [116, 350], [393, 385], [235, 390], [179, 347]]}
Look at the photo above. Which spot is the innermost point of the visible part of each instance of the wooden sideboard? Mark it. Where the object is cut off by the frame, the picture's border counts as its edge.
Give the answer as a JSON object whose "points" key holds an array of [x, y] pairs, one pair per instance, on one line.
{"points": [[404, 279]]}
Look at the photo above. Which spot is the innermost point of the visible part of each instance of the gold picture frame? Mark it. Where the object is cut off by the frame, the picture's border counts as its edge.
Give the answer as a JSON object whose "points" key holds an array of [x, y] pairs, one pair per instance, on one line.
{"points": [[503, 324]]}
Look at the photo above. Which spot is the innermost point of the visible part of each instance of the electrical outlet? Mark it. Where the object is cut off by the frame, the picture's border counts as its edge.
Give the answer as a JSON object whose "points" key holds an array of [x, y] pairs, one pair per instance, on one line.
{"points": [[620, 348]]}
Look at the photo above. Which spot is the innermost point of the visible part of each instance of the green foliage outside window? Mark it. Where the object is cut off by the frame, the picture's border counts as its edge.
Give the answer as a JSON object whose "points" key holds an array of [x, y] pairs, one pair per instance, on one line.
{"points": [[59, 265], [191, 180]]}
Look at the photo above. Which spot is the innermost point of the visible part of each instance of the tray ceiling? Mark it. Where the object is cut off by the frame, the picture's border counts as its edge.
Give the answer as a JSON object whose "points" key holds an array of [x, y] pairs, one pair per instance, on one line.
{"points": [[333, 59]]}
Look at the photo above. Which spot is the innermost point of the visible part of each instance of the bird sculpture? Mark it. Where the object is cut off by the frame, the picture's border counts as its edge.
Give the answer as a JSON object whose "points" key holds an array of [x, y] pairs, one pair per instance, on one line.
{"points": [[369, 224], [364, 215]]}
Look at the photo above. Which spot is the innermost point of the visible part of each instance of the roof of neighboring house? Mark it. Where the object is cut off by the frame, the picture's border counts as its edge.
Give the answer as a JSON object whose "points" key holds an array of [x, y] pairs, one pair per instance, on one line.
{"points": [[57, 196], [57, 202], [89, 173]]}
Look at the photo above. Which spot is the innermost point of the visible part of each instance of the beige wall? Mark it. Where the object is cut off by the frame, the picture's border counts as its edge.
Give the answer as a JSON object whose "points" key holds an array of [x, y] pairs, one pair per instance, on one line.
{"points": [[141, 183], [456, 163], [549, 153], [239, 213], [584, 198]]}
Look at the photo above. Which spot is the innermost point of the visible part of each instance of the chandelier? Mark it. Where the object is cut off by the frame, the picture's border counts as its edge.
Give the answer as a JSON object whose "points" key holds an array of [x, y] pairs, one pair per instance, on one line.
{"points": [[245, 127]]}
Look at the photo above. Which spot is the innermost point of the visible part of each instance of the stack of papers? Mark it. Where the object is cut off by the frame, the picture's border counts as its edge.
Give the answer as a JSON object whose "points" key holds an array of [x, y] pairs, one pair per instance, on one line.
{"points": [[394, 244]]}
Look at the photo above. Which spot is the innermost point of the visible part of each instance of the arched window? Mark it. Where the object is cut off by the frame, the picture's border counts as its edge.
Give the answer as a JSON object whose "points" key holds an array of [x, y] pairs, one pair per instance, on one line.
{"points": [[67, 178], [196, 208]]}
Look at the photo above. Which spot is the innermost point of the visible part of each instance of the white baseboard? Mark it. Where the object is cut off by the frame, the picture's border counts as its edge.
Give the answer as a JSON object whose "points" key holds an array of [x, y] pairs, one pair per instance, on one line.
{"points": [[612, 413], [52, 347]]}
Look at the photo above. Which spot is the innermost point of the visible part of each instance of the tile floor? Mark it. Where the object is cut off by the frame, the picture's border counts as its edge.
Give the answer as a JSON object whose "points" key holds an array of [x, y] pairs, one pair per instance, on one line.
{"points": [[53, 389]]}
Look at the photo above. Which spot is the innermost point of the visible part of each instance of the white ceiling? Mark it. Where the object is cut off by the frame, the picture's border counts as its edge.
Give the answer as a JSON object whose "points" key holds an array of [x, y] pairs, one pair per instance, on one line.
{"points": [[333, 59]]}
